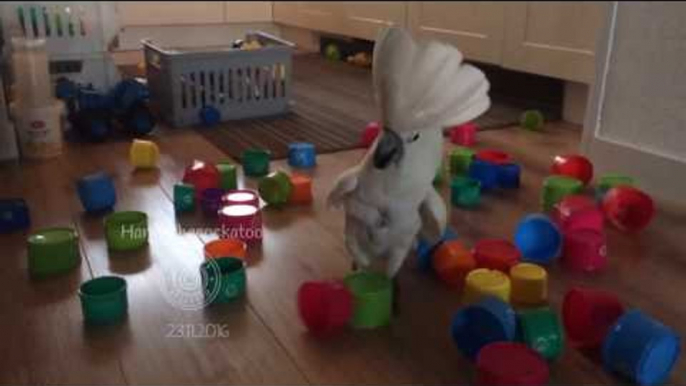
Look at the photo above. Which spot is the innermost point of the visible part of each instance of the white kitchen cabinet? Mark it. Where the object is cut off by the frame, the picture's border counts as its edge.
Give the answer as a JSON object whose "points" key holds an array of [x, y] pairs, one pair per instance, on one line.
{"points": [[556, 39], [364, 19], [247, 11], [151, 13], [475, 27], [324, 16]]}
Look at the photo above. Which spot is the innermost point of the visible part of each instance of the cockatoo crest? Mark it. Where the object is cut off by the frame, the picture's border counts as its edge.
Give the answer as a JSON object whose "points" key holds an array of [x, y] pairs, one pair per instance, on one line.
{"points": [[420, 86]]}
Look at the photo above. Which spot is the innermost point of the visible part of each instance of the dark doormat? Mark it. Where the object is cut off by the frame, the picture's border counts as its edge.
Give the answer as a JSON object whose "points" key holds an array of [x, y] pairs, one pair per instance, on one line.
{"points": [[332, 104]]}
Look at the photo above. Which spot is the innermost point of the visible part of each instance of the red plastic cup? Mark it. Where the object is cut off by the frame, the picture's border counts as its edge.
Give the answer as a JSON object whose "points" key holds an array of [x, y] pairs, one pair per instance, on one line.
{"points": [[588, 315], [371, 131], [242, 222], [324, 306], [201, 175], [573, 165], [577, 211], [584, 250], [464, 135], [241, 197], [495, 157], [628, 208], [510, 364], [496, 254]]}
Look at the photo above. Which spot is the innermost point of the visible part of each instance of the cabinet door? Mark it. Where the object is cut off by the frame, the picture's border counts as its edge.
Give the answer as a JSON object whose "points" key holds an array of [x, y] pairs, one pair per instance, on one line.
{"points": [[476, 28], [170, 12], [247, 11], [557, 39], [324, 16], [364, 19]]}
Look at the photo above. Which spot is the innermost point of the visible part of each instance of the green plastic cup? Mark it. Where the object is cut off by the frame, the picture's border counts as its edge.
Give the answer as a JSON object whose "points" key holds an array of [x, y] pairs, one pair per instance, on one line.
{"points": [[184, 198], [223, 279], [256, 162], [53, 251], [275, 188], [465, 191], [104, 300], [372, 299], [540, 329], [460, 159], [609, 181], [227, 176], [126, 231], [557, 187]]}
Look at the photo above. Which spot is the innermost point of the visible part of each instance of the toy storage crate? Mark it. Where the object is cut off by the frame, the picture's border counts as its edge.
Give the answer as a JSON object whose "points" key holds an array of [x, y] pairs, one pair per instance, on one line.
{"points": [[78, 36], [238, 83]]}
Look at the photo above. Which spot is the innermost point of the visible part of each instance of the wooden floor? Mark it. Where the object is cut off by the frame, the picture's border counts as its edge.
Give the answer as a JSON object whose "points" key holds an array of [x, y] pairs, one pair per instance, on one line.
{"points": [[45, 342]]}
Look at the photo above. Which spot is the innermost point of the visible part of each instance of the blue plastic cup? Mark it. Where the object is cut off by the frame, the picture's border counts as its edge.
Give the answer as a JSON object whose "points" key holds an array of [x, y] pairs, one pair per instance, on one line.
{"points": [[14, 215], [96, 192], [641, 348], [509, 176], [538, 239], [475, 326], [210, 116], [426, 249], [302, 155], [484, 172]]}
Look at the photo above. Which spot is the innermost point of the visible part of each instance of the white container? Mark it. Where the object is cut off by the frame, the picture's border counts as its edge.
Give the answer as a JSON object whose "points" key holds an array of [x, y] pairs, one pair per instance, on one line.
{"points": [[31, 76], [40, 133]]}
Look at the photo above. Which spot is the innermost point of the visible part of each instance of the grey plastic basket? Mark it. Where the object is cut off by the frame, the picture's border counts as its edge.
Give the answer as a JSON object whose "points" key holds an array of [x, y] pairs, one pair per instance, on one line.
{"points": [[238, 83]]}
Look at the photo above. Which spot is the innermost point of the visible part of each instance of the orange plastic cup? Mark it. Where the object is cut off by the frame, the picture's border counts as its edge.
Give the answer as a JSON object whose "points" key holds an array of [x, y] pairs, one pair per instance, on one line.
{"points": [[302, 189], [226, 248], [452, 262]]}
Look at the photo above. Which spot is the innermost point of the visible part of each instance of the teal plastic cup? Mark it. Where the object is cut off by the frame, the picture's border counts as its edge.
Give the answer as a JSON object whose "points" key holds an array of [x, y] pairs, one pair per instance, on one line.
{"points": [[223, 279], [465, 191], [104, 300], [53, 251], [126, 231], [372, 299]]}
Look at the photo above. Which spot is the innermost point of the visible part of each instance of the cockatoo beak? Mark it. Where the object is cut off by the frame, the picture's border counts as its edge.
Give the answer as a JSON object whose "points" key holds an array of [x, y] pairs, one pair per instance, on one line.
{"points": [[389, 150]]}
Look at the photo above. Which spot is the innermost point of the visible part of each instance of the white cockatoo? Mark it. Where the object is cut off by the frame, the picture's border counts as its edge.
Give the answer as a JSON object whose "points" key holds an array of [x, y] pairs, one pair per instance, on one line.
{"points": [[389, 198]]}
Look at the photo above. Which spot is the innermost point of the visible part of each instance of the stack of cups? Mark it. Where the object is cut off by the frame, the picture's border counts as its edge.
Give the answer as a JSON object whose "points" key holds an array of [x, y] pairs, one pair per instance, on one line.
{"points": [[240, 216], [581, 223], [37, 112]]}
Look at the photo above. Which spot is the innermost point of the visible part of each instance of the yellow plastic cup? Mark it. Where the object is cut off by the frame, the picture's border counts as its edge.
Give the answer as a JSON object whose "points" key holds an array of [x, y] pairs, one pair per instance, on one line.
{"points": [[484, 282], [529, 284], [144, 154]]}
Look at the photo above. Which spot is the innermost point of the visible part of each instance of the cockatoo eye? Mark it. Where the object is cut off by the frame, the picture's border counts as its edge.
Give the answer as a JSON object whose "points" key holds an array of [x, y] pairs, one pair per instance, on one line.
{"points": [[413, 137]]}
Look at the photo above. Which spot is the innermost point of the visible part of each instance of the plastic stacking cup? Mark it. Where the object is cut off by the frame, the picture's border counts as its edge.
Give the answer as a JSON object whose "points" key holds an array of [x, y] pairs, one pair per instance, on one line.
{"points": [[96, 192], [325, 307], [301, 193], [484, 172], [184, 198], [641, 348], [538, 239], [529, 284], [53, 251], [578, 212], [510, 364], [541, 330], [556, 187], [452, 261], [628, 209], [372, 299], [588, 315], [483, 282], [104, 300], [211, 201], [275, 189], [477, 325], [465, 192], [14, 215], [201, 175], [509, 176], [585, 250], [223, 279], [242, 197], [256, 162], [426, 249], [126, 231], [302, 155], [144, 154], [496, 254], [464, 135], [609, 181], [460, 159], [495, 157], [229, 247], [228, 179], [243, 222], [371, 131]]}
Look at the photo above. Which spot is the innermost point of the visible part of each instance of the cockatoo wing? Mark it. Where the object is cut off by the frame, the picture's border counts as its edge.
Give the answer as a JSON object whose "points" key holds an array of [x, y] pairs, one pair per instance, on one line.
{"points": [[422, 86], [345, 184], [434, 216]]}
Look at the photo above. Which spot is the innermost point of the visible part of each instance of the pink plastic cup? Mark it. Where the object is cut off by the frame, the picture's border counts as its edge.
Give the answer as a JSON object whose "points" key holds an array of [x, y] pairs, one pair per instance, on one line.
{"points": [[243, 222], [578, 212], [588, 314], [241, 197], [371, 131], [464, 135], [585, 250]]}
